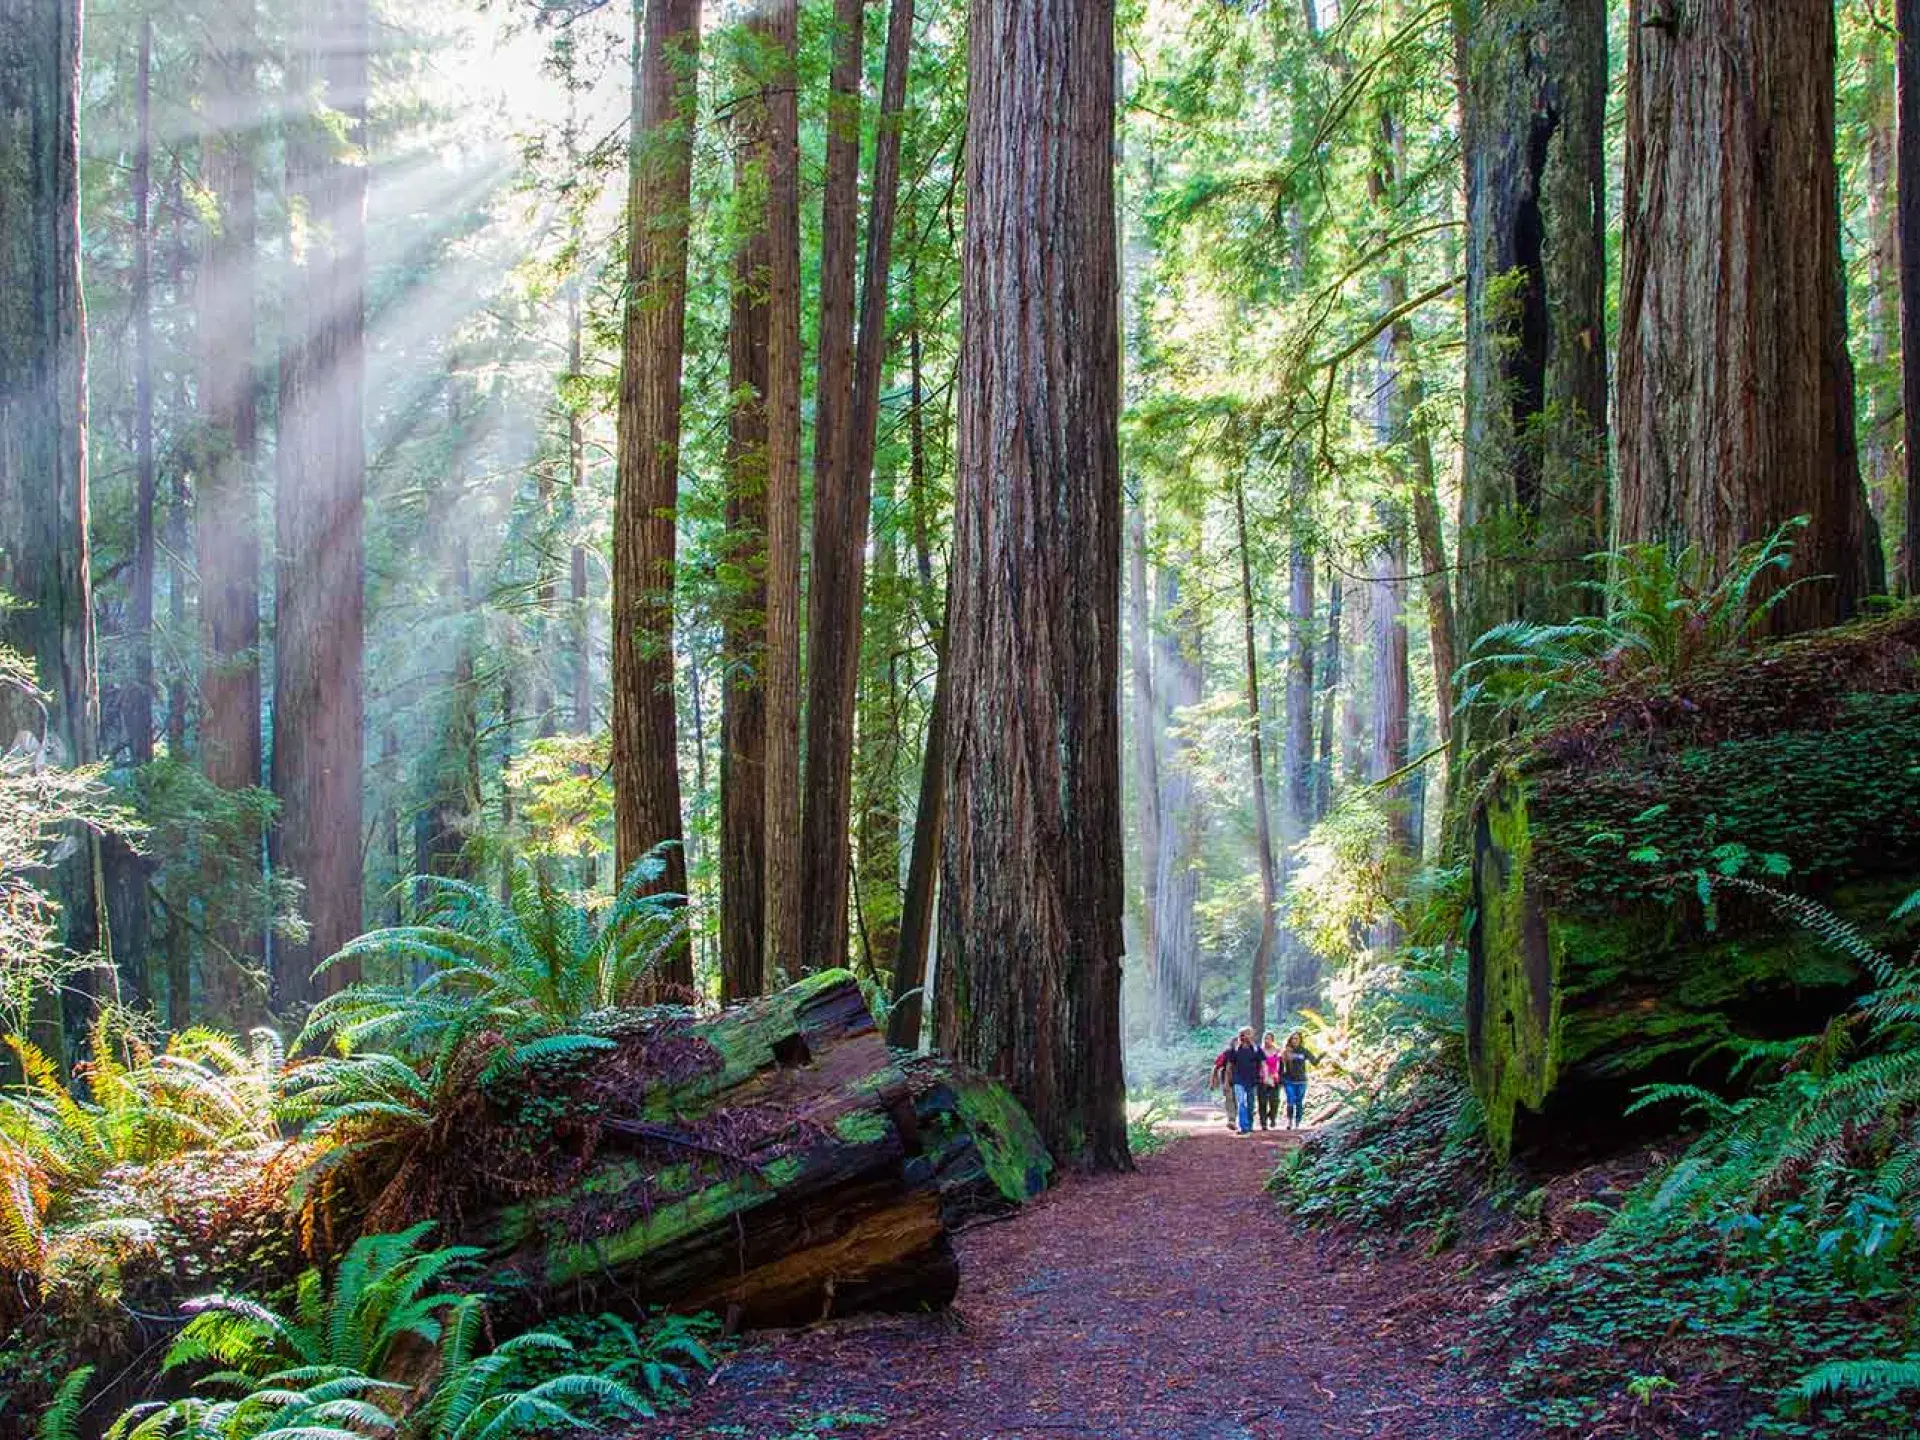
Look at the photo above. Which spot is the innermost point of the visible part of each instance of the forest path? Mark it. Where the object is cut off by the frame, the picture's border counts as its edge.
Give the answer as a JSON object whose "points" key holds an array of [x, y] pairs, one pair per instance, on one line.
{"points": [[1176, 1303]]}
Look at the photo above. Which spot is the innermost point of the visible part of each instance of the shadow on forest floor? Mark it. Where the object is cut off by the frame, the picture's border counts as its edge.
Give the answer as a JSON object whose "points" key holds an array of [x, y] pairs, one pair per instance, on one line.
{"points": [[1177, 1303]]}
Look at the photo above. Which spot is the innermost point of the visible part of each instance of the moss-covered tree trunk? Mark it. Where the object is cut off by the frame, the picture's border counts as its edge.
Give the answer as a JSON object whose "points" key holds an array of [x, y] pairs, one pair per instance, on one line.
{"points": [[1031, 887], [1735, 388]]}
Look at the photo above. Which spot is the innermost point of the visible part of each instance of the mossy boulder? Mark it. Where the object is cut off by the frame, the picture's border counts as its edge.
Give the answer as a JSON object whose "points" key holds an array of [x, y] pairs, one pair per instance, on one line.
{"points": [[1625, 861]]}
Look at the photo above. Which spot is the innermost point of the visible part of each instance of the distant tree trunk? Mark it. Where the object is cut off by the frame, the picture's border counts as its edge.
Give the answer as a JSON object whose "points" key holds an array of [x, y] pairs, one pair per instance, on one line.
{"points": [[923, 870], [743, 720], [1883, 401], [139, 710], [877, 763], [1330, 645], [1387, 592], [1736, 393], [1298, 747], [1442, 646], [447, 819], [1146, 734], [781, 675], [839, 536], [1908, 14], [1262, 823], [179, 504], [1355, 717], [1177, 877], [1030, 941], [646, 751], [319, 688], [1533, 497], [228, 532], [127, 872], [45, 560]]}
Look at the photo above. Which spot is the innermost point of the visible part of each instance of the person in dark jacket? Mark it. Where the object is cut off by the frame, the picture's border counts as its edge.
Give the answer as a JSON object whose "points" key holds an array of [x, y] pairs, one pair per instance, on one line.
{"points": [[1293, 1077], [1244, 1063]]}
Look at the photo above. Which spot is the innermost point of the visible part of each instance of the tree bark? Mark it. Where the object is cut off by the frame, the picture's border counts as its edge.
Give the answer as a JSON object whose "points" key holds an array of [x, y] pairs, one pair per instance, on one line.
{"points": [[1262, 823], [1330, 645], [839, 534], [319, 687], [1030, 938], [743, 721], [1908, 16], [45, 559], [138, 716], [923, 870], [1883, 403], [1442, 645], [1533, 498], [1736, 392], [646, 751], [781, 949]]}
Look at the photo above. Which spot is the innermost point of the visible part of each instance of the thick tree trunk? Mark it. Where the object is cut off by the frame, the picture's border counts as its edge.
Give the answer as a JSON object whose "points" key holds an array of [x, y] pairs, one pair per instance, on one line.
{"points": [[646, 750], [1908, 129], [1176, 884], [1882, 398], [1533, 495], [1736, 393], [839, 534], [138, 716], [44, 551], [1262, 823], [743, 720], [319, 687], [1030, 941]]}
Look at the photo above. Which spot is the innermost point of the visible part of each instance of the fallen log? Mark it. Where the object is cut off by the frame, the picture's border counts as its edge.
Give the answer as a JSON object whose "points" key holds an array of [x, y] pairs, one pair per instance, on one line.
{"points": [[1607, 948], [773, 1173], [985, 1156]]}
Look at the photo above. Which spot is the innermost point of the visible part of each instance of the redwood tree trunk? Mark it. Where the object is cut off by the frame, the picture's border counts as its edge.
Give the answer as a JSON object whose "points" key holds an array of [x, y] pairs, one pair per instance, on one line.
{"points": [[139, 707], [781, 673], [1262, 823], [646, 751], [1736, 392], [45, 560], [1533, 495], [1908, 13], [1030, 939], [743, 720], [839, 535], [319, 687]]}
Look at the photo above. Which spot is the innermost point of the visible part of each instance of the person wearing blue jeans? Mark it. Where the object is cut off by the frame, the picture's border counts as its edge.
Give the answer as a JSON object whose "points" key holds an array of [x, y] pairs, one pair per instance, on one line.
{"points": [[1243, 1071], [1293, 1077]]}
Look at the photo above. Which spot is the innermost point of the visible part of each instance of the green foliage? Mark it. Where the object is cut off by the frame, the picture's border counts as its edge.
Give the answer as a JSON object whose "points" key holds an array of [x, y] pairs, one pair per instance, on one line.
{"points": [[61, 1419], [1147, 1116], [1662, 615], [343, 1365]]}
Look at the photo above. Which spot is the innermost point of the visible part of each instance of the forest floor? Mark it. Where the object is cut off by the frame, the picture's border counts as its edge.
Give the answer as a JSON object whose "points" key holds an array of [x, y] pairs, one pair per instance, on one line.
{"points": [[1176, 1303]]}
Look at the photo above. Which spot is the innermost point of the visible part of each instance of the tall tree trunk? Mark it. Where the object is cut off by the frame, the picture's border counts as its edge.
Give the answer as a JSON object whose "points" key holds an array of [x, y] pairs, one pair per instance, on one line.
{"points": [[1736, 393], [1387, 592], [139, 709], [781, 949], [319, 686], [179, 506], [1030, 941], [1331, 641], [743, 721], [646, 750], [1908, 84], [45, 560], [839, 536], [228, 533], [876, 900], [1883, 403], [923, 870], [1262, 823], [1176, 885], [1442, 645], [1355, 717], [448, 818], [1533, 495], [1146, 734]]}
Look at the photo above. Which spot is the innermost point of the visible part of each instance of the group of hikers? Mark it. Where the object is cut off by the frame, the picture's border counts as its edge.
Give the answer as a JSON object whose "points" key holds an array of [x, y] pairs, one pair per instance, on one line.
{"points": [[1254, 1077]]}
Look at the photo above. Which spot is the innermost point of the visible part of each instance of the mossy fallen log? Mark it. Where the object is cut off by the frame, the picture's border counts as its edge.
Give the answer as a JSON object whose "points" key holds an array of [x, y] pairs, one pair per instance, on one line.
{"points": [[1622, 931], [981, 1148], [774, 1174]]}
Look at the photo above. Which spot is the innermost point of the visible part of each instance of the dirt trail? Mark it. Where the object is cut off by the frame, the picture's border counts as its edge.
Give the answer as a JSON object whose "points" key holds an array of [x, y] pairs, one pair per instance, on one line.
{"points": [[1172, 1304]]}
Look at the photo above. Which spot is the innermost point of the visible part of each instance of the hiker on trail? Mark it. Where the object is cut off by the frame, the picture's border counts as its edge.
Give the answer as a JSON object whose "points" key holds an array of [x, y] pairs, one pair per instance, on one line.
{"points": [[1269, 1081], [1293, 1076], [1245, 1063]]}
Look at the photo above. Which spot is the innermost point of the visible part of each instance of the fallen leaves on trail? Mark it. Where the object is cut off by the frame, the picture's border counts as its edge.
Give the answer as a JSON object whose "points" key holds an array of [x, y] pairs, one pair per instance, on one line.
{"points": [[1177, 1303]]}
